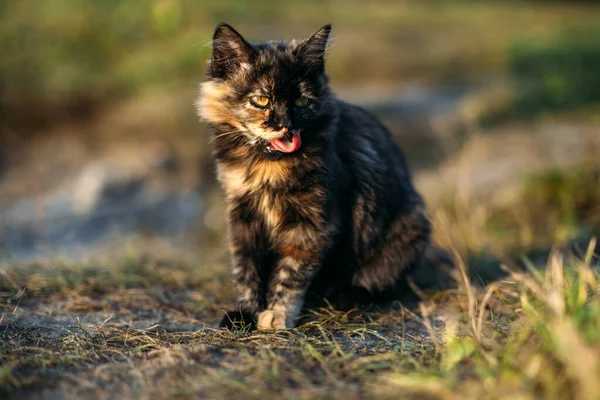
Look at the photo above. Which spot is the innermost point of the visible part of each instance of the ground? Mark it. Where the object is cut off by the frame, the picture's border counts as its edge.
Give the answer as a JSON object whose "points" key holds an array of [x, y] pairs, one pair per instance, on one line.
{"points": [[141, 324]]}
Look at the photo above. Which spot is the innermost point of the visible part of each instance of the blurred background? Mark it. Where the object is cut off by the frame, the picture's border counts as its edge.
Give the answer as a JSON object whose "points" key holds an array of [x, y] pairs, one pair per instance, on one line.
{"points": [[496, 104]]}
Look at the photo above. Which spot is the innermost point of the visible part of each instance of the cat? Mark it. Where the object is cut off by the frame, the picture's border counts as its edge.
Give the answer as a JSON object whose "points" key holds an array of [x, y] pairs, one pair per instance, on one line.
{"points": [[320, 202]]}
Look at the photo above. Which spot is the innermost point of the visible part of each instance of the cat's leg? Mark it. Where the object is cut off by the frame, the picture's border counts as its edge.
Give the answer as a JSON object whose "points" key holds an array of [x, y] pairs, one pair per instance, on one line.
{"points": [[248, 285], [385, 257], [246, 256], [286, 293], [300, 251]]}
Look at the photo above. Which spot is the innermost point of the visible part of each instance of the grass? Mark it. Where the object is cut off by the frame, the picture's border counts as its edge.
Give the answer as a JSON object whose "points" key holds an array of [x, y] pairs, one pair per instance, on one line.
{"points": [[533, 335], [141, 324], [548, 208]]}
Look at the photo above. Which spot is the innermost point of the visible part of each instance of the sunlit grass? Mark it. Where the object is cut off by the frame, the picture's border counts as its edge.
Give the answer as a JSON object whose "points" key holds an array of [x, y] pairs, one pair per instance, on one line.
{"points": [[534, 334], [548, 208]]}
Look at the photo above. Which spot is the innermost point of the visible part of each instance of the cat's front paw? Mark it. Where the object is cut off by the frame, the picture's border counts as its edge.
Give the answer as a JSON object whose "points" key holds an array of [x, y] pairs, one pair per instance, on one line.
{"points": [[269, 320], [235, 320]]}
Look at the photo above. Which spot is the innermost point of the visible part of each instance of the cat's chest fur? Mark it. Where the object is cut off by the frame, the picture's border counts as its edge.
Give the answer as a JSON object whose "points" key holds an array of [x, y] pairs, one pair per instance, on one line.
{"points": [[269, 189]]}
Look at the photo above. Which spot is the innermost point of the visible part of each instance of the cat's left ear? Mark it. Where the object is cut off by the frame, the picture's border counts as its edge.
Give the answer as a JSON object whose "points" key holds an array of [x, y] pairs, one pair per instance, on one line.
{"points": [[312, 50], [230, 52]]}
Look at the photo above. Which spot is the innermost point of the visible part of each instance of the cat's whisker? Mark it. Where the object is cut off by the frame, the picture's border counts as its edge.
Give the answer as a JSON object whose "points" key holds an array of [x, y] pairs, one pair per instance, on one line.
{"points": [[224, 134]]}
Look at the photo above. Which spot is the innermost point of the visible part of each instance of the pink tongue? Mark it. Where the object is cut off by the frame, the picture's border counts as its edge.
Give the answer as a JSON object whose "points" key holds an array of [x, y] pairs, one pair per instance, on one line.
{"points": [[285, 146]]}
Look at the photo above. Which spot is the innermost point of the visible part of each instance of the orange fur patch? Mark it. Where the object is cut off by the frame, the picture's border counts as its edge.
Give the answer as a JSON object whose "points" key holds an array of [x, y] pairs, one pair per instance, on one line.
{"points": [[238, 180], [295, 252], [211, 106]]}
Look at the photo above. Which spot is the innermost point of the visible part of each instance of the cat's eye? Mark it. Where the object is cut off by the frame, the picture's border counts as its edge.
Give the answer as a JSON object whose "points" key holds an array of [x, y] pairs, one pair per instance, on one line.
{"points": [[302, 101], [259, 101]]}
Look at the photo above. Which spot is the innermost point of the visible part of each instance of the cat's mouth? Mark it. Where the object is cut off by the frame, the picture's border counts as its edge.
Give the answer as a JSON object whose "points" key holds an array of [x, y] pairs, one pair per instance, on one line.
{"points": [[289, 143]]}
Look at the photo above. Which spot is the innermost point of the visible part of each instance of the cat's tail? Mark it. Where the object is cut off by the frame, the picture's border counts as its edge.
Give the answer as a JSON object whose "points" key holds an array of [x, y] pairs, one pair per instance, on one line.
{"points": [[437, 271]]}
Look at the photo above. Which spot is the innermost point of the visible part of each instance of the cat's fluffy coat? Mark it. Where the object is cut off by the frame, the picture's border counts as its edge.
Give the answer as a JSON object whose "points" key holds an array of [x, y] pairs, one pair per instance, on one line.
{"points": [[334, 215]]}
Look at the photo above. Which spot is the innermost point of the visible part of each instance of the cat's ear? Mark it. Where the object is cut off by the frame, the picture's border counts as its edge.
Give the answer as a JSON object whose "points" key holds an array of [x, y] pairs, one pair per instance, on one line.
{"points": [[312, 50], [230, 51]]}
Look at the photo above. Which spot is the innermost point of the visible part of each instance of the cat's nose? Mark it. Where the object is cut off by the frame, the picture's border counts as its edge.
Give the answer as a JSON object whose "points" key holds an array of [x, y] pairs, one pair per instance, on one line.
{"points": [[283, 124]]}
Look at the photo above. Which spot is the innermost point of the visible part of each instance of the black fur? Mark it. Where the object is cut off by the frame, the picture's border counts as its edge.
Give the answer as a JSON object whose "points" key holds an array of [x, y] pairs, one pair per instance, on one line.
{"points": [[339, 218]]}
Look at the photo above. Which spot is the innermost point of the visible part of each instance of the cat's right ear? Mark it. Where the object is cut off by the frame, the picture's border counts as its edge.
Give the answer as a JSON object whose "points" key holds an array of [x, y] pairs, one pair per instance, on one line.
{"points": [[230, 52]]}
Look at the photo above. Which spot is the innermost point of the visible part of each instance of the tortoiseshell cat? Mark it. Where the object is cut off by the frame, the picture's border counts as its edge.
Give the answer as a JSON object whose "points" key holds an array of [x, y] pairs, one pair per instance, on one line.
{"points": [[319, 198]]}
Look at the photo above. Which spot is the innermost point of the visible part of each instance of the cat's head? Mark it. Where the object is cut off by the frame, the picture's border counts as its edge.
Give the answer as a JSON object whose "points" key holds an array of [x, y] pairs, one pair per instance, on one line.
{"points": [[270, 97]]}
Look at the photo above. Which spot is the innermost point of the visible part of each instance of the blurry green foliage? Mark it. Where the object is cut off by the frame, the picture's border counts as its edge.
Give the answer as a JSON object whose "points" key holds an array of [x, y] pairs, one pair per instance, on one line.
{"points": [[54, 52], [59, 51], [573, 196], [554, 206], [562, 74], [54, 49]]}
